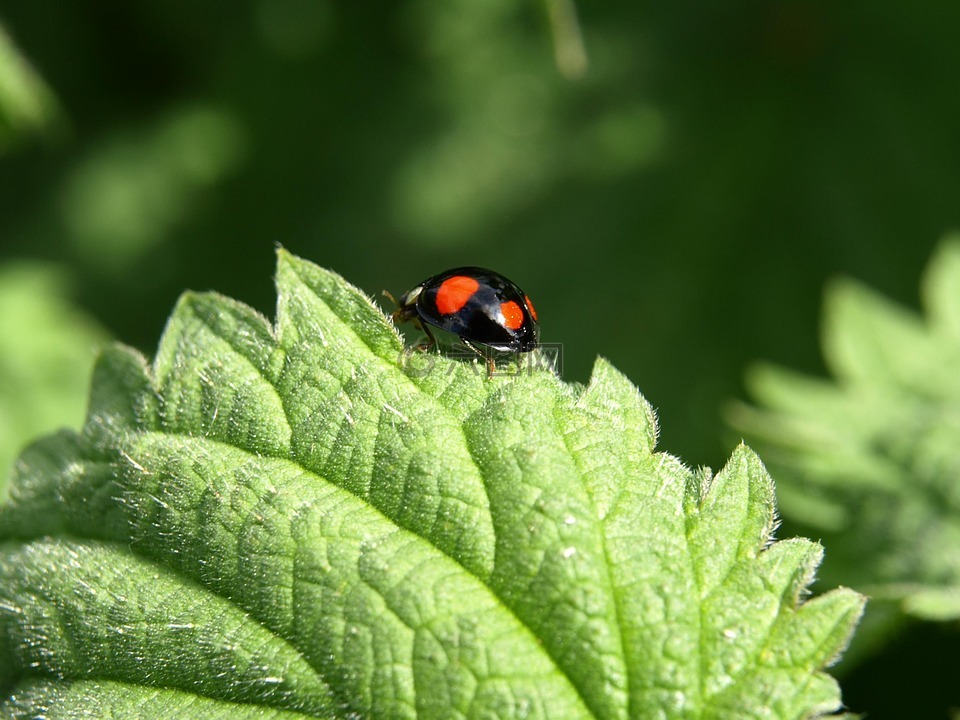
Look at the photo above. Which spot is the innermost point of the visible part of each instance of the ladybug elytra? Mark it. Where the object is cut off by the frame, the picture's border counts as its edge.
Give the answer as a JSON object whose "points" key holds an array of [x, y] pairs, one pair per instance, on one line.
{"points": [[480, 306]]}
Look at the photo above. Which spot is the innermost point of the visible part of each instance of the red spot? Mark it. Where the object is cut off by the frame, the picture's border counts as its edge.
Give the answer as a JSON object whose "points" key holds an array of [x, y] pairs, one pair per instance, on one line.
{"points": [[512, 315], [530, 308], [454, 293]]}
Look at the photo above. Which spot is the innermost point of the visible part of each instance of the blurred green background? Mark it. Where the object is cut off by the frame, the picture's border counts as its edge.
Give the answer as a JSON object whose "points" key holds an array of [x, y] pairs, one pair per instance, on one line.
{"points": [[676, 205]]}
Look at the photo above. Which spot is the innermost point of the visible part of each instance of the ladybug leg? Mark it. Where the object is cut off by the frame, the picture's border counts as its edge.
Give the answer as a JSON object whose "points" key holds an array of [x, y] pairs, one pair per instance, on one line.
{"points": [[431, 340], [403, 314], [491, 363]]}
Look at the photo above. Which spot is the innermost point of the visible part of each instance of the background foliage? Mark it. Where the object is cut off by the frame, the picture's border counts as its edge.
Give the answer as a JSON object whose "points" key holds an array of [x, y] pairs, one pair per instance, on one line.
{"points": [[677, 208], [868, 461]]}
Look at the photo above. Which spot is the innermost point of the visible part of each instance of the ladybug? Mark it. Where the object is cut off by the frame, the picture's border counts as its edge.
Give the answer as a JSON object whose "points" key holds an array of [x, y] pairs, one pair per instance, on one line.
{"points": [[481, 307]]}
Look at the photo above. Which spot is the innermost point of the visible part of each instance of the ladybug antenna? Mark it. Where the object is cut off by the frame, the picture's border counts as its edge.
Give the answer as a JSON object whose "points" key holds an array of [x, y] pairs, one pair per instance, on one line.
{"points": [[387, 293]]}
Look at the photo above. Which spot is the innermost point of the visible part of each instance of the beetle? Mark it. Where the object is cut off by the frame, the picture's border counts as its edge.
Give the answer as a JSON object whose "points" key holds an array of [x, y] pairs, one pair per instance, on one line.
{"points": [[481, 307]]}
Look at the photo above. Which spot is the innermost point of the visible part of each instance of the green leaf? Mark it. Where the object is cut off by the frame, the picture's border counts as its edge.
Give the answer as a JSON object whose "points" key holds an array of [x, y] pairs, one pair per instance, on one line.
{"points": [[88, 699], [871, 460], [47, 349], [305, 520]]}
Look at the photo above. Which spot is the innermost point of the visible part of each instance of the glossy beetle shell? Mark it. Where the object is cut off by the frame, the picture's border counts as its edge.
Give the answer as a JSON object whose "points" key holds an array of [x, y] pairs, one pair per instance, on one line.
{"points": [[478, 305]]}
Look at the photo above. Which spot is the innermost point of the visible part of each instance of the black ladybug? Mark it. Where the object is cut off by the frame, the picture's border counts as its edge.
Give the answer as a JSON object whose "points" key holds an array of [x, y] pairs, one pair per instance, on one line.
{"points": [[480, 306]]}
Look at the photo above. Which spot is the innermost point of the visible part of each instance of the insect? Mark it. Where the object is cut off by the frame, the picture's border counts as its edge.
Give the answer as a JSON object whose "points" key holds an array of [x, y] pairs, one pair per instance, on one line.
{"points": [[481, 307]]}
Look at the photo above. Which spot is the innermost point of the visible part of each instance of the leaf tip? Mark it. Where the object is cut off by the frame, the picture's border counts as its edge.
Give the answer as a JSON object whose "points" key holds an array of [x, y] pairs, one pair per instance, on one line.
{"points": [[121, 393], [845, 607], [613, 391]]}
